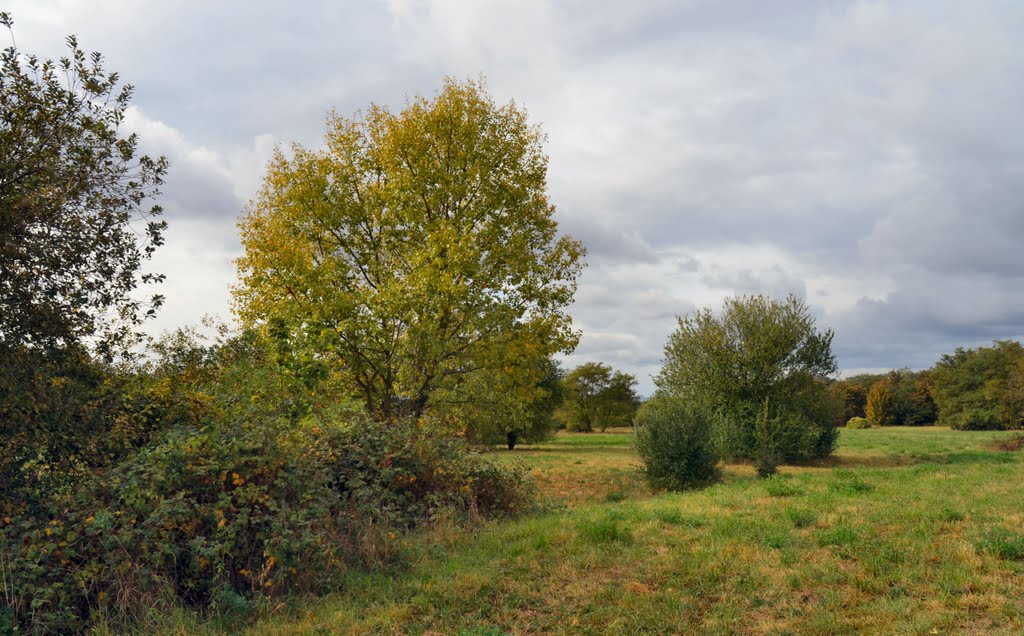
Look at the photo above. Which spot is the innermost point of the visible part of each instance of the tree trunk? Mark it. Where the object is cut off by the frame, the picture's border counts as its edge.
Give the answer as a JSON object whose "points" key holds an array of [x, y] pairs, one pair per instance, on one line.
{"points": [[512, 436]]}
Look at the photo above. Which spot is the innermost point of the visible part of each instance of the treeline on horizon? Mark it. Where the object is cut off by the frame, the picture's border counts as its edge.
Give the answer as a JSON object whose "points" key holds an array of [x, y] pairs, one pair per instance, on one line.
{"points": [[970, 389]]}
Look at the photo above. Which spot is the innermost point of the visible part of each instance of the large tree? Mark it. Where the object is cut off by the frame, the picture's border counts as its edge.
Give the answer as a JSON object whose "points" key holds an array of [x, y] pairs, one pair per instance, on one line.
{"points": [[761, 364], [76, 218], [417, 251], [76, 225]]}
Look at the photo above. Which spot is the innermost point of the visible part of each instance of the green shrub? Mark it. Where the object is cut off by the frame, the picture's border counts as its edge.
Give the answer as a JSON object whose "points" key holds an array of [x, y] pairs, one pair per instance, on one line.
{"points": [[64, 415], [755, 353], [674, 444], [771, 435], [801, 517], [783, 435], [858, 423]]}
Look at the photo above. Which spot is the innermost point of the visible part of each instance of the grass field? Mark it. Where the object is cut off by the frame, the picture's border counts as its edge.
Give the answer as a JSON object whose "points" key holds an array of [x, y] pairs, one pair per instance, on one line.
{"points": [[903, 531]]}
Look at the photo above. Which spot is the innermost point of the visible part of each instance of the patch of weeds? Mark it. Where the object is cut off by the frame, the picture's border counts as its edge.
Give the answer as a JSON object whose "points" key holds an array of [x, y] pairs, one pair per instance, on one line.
{"points": [[542, 543], [1012, 443], [897, 591], [878, 557], [606, 529], [1002, 543], [616, 496], [776, 540], [951, 514], [841, 538], [801, 517], [847, 483], [228, 607], [789, 557], [779, 486], [484, 630], [676, 518]]}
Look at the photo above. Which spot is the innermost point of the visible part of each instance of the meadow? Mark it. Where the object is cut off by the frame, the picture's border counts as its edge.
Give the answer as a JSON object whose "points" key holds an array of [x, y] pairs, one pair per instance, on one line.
{"points": [[902, 531]]}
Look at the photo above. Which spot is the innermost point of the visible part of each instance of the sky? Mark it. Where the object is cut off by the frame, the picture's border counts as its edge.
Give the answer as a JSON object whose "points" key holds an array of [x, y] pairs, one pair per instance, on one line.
{"points": [[865, 156]]}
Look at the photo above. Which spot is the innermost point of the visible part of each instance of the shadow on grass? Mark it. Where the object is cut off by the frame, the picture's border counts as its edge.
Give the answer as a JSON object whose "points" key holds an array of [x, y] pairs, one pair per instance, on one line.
{"points": [[547, 450], [911, 459]]}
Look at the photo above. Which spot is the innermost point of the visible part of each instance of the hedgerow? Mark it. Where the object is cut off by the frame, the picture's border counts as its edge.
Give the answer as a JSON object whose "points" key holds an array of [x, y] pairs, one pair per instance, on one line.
{"points": [[259, 509]]}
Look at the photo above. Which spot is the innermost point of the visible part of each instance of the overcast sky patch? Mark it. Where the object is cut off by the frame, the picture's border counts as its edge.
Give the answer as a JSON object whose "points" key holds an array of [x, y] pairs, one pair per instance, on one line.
{"points": [[863, 155]]}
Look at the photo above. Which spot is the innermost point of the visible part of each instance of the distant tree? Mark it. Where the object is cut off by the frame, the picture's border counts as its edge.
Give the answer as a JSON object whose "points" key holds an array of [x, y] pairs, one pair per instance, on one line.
{"points": [[885, 401], [598, 397], [757, 354], [852, 392], [417, 252], [921, 407], [981, 388], [514, 415], [74, 222], [901, 398]]}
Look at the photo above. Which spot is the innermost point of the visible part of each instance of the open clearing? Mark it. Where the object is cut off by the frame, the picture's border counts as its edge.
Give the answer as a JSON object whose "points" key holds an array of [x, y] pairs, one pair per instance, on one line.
{"points": [[903, 531]]}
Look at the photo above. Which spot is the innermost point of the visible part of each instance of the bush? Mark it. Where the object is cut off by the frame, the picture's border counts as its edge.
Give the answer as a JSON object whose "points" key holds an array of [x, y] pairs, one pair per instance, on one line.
{"points": [[772, 436], [858, 423], [66, 415], [259, 508], [674, 444], [757, 352]]}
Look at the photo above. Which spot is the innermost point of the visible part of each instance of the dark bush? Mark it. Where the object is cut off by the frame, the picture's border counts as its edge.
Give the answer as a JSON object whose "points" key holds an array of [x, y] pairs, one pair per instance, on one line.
{"points": [[773, 436], [674, 443], [262, 507]]}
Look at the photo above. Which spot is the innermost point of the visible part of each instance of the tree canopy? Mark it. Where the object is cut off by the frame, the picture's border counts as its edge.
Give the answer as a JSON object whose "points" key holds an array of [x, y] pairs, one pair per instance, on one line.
{"points": [[981, 388], [76, 221], [418, 251], [598, 397], [901, 398]]}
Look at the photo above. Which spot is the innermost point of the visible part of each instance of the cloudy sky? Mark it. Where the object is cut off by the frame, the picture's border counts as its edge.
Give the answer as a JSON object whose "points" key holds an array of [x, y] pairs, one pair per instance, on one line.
{"points": [[867, 156]]}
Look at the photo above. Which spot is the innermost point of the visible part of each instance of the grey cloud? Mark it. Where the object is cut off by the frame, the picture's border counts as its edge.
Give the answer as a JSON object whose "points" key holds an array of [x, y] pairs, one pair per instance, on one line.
{"points": [[773, 281], [868, 148], [610, 243]]}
